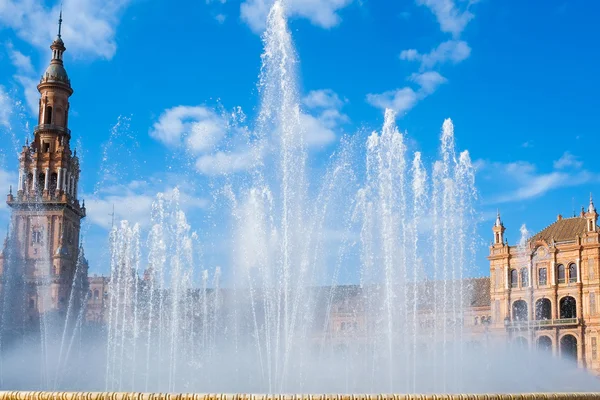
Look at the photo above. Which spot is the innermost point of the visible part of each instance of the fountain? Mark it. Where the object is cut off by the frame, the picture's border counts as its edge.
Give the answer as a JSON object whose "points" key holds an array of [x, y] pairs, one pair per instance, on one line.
{"points": [[283, 322]]}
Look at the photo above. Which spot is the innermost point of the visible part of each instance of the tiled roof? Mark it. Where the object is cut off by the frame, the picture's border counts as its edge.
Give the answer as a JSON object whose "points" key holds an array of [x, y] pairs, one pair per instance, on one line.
{"points": [[562, 230], [480, 292], [476, 292]]}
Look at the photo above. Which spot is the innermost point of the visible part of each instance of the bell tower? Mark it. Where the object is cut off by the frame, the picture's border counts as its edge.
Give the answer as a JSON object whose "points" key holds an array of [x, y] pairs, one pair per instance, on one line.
{"points": [[591, 216], [45, 210], [498, 230]]}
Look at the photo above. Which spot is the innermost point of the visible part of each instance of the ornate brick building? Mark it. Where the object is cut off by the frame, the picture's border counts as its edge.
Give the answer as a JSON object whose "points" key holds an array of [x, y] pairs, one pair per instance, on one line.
{"points": [[41, 253], [544, 292]]}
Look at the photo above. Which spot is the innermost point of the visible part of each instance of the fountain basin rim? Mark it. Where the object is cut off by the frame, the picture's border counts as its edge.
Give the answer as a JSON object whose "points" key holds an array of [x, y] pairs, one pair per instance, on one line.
{"points": [[33, 395]]}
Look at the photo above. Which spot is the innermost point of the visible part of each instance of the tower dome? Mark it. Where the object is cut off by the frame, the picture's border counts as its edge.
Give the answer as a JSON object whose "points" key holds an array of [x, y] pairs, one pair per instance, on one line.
{"points": [[56, 71]]}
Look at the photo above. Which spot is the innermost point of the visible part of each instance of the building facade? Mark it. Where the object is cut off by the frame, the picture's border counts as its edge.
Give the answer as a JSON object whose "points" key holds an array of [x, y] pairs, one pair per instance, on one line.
{"points": [[97, 299], [544, 291], [41, 252]]}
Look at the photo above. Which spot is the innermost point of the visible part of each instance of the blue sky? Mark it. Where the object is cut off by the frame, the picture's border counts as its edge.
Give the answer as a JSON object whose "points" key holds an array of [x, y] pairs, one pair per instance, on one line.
{"points": [[518, 80]]}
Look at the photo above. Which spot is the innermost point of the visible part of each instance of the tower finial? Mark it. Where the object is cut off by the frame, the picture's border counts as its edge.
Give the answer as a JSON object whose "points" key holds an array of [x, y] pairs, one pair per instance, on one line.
{"points": [[60, 20], [498, 220], [591, 207]]}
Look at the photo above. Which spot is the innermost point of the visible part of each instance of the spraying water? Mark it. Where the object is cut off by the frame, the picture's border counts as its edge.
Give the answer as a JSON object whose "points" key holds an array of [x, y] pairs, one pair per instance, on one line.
{"points": [[405, 226]]}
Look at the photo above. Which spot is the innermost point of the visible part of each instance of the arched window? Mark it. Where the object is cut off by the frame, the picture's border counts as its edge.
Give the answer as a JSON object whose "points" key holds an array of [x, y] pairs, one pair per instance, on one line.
{"points": [[572, 273], [524, 277], [543, 309], [568, 347], [568, 307], [41, 181], [519, 310], [31, 303], [514, 278], [544, 343], [96, 294], [520, 342], [560, 273], [30, 181], [53, 182], [48, 115]]}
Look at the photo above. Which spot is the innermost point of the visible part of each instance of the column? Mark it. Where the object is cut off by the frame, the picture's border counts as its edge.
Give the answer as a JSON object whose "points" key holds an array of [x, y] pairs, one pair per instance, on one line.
{"points": [[73, 185], [68, 183], [47, 179], [76, 187], [20, 186], [530, 273], [553, 271], [506, 277], [59, 182], [35, 179], [64, 179], [579, 270]]}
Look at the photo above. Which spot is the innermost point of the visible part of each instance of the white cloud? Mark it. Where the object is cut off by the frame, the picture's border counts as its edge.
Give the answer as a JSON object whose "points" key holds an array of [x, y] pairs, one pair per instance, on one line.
{"points": [[402, 100], [200, 127], [203, 134], [399, 100], [225, 163], [32, 95], [525, 181], [324, 119], [25, 75], [453, 51], [323, 13], [428, 81], [88, 25], [133, 202], [317, 133], [568, 160], [220, 18], [527, 144], [5, 107], [221, 145], [324, 98], [19, 60], [451, 19]]}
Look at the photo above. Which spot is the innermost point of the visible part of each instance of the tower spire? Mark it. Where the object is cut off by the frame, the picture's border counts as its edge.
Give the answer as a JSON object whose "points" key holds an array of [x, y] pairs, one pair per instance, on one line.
{"points": [[498, 220], [591, 207], [60, 20]]}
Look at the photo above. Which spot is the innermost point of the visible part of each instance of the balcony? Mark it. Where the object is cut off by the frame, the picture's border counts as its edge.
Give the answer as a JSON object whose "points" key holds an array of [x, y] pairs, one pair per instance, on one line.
{"points": [[545, 323], [51, 127]]}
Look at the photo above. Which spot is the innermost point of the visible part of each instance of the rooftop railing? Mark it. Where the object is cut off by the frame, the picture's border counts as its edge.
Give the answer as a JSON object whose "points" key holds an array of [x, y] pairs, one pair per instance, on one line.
{"points": [[51, 127], [543, 323]]}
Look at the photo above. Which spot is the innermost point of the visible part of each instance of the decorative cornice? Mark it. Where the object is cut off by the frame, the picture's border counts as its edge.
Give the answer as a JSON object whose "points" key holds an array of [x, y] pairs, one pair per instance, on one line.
{"points": [[194, 396], [43, 206]]}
